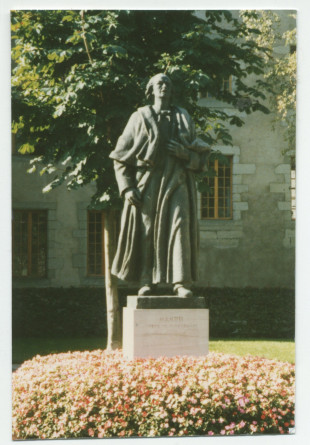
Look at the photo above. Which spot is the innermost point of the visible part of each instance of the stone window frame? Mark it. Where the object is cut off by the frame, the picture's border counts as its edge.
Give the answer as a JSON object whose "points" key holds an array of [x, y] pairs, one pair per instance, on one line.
{"points": [[226, 233], [293, 193], [283, 188], [52, 263]]}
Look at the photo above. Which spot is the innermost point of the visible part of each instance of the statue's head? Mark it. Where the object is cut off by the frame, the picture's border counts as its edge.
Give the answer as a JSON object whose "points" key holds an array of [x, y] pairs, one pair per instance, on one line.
{"points": [[160, 86]]}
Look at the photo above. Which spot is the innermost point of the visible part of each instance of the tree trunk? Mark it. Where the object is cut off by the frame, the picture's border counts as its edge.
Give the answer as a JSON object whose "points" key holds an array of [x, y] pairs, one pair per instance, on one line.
{"points": [[113, 312]]}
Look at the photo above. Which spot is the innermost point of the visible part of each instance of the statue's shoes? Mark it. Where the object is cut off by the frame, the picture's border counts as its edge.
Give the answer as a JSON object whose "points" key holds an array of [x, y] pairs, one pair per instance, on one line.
{"points": [[145, 290], [182, 292]]}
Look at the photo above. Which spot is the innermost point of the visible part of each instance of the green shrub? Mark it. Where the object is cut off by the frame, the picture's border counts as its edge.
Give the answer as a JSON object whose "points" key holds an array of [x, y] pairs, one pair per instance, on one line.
{"points": [[81, 312], [99, 394]]}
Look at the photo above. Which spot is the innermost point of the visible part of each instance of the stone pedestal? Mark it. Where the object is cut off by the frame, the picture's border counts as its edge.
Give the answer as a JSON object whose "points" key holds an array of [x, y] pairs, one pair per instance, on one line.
{"points": [[165, 326]]}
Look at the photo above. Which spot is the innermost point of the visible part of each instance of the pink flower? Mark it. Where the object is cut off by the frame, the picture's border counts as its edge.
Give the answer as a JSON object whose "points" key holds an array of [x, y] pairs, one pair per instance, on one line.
{"points": [[108, 424], [91, 432]]}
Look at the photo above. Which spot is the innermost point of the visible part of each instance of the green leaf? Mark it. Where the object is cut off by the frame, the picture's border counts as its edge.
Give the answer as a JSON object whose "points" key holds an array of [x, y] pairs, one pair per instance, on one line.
{"points": [[26, 149], [52, 56], [59, 110], [67, 18]]}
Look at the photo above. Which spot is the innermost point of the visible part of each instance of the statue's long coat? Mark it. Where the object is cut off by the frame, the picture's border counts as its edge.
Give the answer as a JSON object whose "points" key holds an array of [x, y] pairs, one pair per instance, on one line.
{"points": [[158, 241]]}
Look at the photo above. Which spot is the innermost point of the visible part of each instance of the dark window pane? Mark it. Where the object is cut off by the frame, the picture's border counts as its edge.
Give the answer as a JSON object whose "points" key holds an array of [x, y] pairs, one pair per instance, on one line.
{"points": [[34, 218], [204, 212], [204, 200], [221, 192], [211, 183]]}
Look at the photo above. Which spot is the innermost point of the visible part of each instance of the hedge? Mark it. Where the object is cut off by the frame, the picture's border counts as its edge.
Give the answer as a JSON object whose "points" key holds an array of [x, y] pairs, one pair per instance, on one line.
{"points": [[99, 394], [234, 313]]}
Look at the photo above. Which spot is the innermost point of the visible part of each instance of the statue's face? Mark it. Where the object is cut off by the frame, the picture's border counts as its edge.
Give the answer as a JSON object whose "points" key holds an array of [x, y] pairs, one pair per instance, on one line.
{"points": [[162, 87]]}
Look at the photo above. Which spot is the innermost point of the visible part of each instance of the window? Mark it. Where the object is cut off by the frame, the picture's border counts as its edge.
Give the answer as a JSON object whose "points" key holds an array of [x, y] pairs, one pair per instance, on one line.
{"points": [[95, 245], [226, 86], [217, 203], [95, 241], [293, 193], [29, 243]]}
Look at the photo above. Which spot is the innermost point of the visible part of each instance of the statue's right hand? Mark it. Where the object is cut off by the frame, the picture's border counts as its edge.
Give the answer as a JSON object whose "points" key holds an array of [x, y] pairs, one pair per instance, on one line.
{"points": [[133, 196]]}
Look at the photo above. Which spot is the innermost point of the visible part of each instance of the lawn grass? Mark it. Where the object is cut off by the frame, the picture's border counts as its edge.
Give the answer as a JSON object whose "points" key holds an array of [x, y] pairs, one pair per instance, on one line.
{"points": [[26, 348], [283, 350]]}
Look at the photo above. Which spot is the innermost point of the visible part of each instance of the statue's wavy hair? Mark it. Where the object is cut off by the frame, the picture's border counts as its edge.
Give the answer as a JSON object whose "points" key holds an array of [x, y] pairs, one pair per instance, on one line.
{"points": [[149, 86]]}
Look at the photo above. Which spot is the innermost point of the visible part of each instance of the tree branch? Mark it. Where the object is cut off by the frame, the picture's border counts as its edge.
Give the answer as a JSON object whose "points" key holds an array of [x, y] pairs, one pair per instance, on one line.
{"points": [[84, 38]]}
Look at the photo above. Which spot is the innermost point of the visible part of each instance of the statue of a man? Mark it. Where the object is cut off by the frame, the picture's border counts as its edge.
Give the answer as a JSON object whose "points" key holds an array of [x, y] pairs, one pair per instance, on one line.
{"points": [[154, 162]]}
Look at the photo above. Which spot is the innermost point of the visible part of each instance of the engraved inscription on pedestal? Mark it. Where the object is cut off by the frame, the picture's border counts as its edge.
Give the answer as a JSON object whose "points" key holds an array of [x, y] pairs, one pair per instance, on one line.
{"points": [[165, 332]]}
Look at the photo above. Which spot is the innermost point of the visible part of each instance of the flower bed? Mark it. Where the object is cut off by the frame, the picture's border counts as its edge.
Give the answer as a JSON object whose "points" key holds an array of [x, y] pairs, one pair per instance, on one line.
{"points": [[99, 394]]}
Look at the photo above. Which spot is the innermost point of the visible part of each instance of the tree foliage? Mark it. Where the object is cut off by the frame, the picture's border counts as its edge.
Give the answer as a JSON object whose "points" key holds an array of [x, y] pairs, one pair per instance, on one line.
{"points": [[281, 70], [78, 75]]}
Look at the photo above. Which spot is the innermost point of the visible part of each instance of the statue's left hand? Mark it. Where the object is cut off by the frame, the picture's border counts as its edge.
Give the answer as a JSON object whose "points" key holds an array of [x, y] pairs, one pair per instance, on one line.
{"points": [[178, 150]]}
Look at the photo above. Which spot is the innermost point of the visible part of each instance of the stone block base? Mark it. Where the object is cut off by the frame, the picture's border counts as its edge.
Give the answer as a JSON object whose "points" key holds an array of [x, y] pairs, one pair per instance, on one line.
{"points": [[165, 331]]}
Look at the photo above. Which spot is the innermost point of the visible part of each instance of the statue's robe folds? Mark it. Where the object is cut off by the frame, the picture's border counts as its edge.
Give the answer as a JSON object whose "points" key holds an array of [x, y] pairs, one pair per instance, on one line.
{"points": [[158, 241]]}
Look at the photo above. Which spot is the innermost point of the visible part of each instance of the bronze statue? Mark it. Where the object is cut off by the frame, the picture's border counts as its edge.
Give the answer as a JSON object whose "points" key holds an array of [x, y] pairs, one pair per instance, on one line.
{"points": [[154, 162]]}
